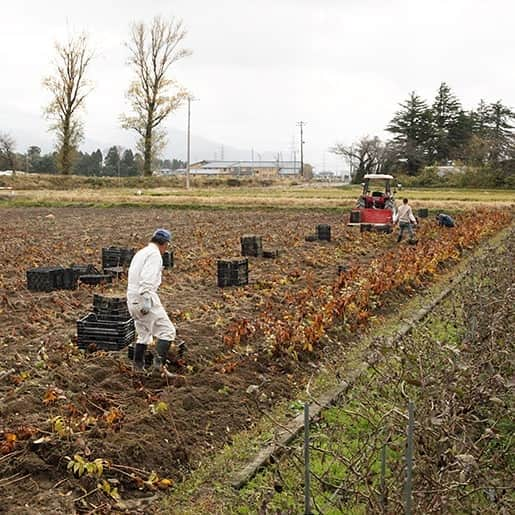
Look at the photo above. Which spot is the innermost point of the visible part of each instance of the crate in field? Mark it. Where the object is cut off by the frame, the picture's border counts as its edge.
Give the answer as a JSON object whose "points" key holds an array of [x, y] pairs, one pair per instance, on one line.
{"points": [[94, 279], [232, 272], [116, 256], [168, 259], [271, 254], [355, 216], [323, 232], [103, 305], [251, 245], [115, 272], [105, 332], [79, 270], [50, 278], [423, 212]]}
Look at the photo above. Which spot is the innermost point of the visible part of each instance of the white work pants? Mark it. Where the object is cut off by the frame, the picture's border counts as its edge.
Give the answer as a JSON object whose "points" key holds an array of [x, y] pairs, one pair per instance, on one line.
{"points": [[156, 323]]}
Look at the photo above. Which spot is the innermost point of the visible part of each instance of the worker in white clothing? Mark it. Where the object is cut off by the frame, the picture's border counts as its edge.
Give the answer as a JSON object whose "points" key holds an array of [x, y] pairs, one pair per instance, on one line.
{"points": [[406, 220], [150, 317]]}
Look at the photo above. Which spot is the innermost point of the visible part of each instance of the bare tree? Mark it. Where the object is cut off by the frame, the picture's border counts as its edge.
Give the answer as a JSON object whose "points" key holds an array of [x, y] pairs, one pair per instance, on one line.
{"points": [[368, 155], [7, 151], [153, 95], [69, 88]]}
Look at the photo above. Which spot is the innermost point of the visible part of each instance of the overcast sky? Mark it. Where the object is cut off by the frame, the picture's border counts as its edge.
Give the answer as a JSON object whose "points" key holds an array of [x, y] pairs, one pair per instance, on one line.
{"points": [[258, 67]]}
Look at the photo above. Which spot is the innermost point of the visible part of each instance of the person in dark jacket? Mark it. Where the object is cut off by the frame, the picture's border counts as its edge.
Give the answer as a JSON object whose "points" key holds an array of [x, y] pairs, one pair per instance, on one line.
{"points": [[444, 220]]}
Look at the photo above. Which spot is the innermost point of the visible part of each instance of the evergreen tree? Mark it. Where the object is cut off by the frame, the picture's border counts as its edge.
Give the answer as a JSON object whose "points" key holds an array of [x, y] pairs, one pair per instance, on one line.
{"points": [[112, 162], [481, 119], [82, 162], [501, 133], [177, 163], [460, 135], [47, 163], [33, 156], [412, 128], [96, 162], [446, 114], [128, 164]]}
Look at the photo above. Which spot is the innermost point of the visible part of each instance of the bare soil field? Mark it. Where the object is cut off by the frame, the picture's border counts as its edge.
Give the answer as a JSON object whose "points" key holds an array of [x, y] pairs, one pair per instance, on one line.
{"points": [[79, 430]]}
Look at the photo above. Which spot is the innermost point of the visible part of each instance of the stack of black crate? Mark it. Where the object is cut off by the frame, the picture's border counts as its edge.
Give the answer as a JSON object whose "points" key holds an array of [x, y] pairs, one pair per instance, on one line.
{"points": [[251, 245], [116, 256], [168, 259], [233, 272], [109, 327], [323, 232], [49, 278]]}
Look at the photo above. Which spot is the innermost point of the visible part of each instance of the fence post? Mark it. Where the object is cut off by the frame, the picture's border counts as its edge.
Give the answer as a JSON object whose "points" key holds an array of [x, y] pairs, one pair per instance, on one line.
{"points": [[408, 487], [307, 504], [383, 477]]}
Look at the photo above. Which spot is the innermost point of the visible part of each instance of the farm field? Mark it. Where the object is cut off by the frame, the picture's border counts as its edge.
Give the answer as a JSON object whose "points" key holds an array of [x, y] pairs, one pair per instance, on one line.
{"points": [[50, 191], [59, 405]]}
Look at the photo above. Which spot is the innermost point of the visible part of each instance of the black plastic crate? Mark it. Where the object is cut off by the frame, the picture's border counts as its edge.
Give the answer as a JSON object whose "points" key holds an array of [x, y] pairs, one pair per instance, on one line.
{"points": [[114, 271], [116, 256], [49, 278], [323, 232], [68, 279], [232, 272], [94, 279], [43, 278], [168, 259], [110, 305], [251, 245], [423, 213], [79, 270], [106, 332], [355, 217], [271, 254]]}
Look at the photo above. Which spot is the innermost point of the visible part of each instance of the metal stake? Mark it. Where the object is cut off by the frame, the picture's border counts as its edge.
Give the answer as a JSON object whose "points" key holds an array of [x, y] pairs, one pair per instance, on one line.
{"points": [[307, 505], [408, 488]]}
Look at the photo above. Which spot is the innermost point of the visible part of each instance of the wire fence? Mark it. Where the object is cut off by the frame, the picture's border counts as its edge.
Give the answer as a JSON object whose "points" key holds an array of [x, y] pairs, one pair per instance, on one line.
{"points": [[430, 429]]}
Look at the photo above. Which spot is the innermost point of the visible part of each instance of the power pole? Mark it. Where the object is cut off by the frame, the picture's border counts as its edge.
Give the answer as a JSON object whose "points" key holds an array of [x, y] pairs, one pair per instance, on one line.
{"points": [[188, 150], [190, 98], [301, 125]]}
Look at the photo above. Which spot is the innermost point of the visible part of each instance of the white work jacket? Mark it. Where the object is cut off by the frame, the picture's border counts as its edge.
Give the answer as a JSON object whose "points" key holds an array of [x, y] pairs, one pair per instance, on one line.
{"points": [[405, 214], [145, 272]]}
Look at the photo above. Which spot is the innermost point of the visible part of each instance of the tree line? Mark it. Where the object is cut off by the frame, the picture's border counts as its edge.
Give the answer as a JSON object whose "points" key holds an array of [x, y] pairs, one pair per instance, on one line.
{"points": [[439, 134], [152, 95], [117, 162]]}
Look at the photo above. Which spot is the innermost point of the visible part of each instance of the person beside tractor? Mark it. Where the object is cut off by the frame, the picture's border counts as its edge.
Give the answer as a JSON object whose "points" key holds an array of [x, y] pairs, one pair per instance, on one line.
{"points": [[444, 220], [406, 220], [150, 317]]}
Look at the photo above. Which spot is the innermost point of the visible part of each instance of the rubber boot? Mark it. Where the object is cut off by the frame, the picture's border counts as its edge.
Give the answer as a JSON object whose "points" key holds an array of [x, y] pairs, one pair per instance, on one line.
{"points": [[139, 356], [162, 347]]}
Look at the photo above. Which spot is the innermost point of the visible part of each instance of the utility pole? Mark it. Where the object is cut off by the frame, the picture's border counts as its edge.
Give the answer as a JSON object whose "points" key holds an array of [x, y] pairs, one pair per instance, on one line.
{"points": [[301, 125], [188, 150], [190, 98]]}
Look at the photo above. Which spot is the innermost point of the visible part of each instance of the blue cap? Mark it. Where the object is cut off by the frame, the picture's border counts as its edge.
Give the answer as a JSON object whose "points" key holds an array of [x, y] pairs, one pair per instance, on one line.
{"points": [[162, 234]]}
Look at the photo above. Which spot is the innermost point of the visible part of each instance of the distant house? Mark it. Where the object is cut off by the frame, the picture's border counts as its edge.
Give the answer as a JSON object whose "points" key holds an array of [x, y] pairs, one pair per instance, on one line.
{"points": [[262, 169], [443, 171]]}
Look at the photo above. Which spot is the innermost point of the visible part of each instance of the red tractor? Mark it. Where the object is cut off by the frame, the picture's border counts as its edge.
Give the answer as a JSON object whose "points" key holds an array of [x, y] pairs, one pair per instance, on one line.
{"points": [[375, 209]]}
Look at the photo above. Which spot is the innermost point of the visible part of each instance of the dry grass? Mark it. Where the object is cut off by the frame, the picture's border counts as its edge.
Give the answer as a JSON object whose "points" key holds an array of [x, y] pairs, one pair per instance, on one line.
{"points": [[275, 196]]}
